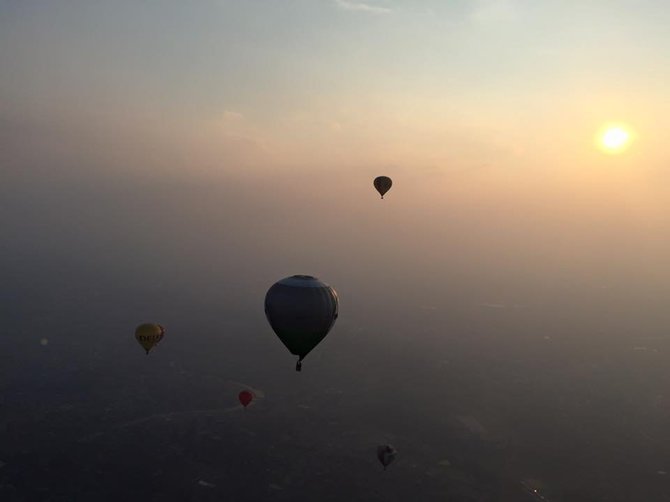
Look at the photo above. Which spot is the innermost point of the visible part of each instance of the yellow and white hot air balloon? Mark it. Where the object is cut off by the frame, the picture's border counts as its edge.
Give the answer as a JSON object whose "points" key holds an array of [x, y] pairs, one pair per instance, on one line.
{"points": [[148, 335]]}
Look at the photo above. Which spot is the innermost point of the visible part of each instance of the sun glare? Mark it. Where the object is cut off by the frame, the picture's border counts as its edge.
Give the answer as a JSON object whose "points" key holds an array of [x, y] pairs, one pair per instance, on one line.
{"points": [[614, 138]]}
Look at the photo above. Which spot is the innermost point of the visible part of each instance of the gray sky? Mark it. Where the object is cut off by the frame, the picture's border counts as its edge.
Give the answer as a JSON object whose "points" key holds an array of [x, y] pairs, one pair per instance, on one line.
{"points": [[244, 136]]}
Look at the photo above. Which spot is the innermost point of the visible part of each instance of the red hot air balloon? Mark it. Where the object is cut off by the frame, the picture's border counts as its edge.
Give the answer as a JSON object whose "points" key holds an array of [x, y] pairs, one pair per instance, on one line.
{"points": [[245, 398]]}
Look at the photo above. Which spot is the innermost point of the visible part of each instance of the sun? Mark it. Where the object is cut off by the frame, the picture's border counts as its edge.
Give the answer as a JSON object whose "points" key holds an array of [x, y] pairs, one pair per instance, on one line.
{"points": [[614, 138]]}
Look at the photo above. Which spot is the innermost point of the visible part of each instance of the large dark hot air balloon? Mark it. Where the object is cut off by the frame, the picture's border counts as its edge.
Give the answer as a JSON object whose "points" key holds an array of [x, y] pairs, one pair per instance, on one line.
{"points": [[386, 454], [383, 184], [148, 335], [245, 397], [301, 310]]}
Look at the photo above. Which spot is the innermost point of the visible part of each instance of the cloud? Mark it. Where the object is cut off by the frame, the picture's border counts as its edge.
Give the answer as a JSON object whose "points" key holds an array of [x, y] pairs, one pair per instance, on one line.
{"points": [[231, 116], [361, 7], [493, 305], [494, 12]]}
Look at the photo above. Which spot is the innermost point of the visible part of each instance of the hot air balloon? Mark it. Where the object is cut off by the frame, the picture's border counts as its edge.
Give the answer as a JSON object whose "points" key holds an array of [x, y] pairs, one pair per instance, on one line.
{"points": [[301, 310], [148, 335], [386, 454], [245, 398], [383, 184]]}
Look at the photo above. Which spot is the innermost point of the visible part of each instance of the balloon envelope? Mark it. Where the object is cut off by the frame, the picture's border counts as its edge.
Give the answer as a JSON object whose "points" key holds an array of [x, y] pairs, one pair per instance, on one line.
{"points": [[301, 310], [245, 397], [386, 454], [148, 335], [383, 184]]}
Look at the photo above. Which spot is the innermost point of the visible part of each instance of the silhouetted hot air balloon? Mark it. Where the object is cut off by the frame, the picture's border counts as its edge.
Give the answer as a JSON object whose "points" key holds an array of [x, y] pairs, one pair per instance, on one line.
{"points": [[148, 335], [245, 397], [386, 454], [383, 184], [301, 310]]}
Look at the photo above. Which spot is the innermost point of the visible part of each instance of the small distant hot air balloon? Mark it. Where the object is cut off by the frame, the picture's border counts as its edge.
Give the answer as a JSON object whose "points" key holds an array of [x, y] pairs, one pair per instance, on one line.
{"points": [[245, 398], [386, 454], [148, 335], [383, 184], [301, 310]]}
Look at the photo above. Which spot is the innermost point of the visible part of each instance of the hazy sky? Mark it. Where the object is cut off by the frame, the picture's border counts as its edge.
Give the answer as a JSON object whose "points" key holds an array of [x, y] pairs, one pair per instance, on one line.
{"points": [[417, 85], [169, 160], [252, 130]]}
